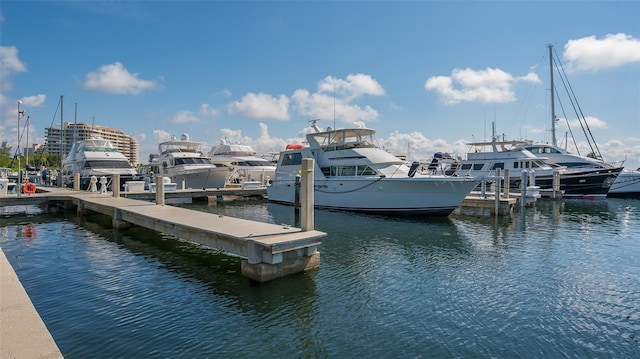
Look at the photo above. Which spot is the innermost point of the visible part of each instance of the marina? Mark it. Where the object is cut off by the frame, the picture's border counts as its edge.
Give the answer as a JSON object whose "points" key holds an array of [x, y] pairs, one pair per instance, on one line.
{"points": [[553, 279]]}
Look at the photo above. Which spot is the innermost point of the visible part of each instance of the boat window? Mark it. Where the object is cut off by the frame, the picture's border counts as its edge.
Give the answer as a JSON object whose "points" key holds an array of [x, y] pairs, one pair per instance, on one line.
{"points": [[346, 170], [466, 166], [107, 164], [497, 165], [478, 166], [192, 161], [516, 165], [253, 163], [291, 159], [366, 171]]}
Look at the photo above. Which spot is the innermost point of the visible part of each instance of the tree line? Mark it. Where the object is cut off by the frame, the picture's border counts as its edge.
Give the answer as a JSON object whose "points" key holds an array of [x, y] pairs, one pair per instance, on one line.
{"points": [[36, 160]]}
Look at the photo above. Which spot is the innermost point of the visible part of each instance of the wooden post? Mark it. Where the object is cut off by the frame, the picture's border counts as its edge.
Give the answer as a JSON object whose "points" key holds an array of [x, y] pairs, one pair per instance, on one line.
{"points": [[523, 187], [76, 181], [115, 185], [507, 183], [307, 195], [497, 192], [160, 190]]}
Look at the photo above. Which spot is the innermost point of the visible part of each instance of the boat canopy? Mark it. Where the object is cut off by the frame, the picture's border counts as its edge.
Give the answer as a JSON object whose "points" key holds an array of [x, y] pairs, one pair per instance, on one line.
{"points": [[342, 139]]}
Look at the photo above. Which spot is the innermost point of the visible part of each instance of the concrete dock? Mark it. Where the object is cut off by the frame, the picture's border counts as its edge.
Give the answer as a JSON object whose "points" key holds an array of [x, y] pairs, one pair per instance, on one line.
{"points": [[271, 250], [23, 334]]}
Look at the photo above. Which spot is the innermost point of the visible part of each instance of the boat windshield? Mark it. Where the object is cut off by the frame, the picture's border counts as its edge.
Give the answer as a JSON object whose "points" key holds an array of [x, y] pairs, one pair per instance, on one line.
{"points": [[253, 163], [193, 161], [107, 164], [99, 149]]}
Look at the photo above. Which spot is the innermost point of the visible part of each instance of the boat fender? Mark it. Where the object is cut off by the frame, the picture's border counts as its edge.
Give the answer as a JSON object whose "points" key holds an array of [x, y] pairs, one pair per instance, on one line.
{"points": [[29, 188]]}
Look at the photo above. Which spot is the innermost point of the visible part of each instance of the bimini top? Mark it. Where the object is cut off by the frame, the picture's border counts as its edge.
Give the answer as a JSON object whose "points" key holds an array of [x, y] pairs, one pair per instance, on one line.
{"points": [[331, 140]]}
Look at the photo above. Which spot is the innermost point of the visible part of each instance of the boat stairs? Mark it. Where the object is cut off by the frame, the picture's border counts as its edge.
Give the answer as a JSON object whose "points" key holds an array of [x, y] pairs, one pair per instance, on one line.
{"points": [[271, 250]]}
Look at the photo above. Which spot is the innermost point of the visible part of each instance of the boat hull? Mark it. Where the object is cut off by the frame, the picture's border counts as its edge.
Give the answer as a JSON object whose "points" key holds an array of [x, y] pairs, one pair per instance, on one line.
{"points": [[595, 183], [430, 196], [627, 185], [200, 178]]}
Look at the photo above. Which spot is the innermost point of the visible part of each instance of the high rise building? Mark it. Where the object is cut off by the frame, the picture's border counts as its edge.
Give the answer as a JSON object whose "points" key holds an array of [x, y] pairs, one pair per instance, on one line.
{"points": [[59, 140]]}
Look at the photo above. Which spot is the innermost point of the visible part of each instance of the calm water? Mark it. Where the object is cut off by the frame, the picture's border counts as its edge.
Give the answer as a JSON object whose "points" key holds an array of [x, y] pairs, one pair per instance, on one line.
{"points": [[559, 280]]}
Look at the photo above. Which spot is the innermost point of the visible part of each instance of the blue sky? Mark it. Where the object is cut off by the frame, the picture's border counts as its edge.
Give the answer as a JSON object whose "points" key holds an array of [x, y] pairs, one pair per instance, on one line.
{"points": [[427, 75]]}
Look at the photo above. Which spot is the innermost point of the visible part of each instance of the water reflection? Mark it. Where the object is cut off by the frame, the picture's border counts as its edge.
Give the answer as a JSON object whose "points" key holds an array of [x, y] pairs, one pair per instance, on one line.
{"points": [[220, 272]]}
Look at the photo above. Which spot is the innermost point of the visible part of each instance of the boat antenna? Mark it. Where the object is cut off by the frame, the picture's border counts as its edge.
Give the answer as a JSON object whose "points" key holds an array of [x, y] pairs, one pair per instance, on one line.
{"points": [[314, 124], [61, 138], [553, 111], [334, 105], [75, 124]]}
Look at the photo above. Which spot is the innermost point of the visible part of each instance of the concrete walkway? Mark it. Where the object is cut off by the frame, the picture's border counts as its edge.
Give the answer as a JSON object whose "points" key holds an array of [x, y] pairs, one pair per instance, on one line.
{"points": [[23, 334]]}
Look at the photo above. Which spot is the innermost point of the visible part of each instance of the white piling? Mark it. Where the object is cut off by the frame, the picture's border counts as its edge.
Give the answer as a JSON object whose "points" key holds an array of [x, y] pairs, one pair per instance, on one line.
{"points": [[497, 192], [160, 190], [115, 185], [523, 187], [306, 195]]}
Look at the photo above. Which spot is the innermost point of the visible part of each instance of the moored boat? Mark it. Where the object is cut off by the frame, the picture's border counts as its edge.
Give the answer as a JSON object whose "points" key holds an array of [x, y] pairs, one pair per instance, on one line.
{"points": [[184, 163], [627, 185], [96, 157], [351, 173], [247, 167], [575, 182]]}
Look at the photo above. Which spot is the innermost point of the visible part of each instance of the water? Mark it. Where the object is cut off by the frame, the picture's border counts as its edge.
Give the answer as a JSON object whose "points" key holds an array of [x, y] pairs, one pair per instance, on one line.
{"points": [[558, 280]]}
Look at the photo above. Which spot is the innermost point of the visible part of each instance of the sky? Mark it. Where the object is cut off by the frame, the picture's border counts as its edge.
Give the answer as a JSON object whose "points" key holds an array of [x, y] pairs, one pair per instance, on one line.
{"points": [[428, 76]]}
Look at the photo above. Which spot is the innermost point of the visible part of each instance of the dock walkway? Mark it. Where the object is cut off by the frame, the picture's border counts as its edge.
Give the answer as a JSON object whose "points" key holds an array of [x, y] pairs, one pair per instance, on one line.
{"points": [[271, 250], [23, 334]]}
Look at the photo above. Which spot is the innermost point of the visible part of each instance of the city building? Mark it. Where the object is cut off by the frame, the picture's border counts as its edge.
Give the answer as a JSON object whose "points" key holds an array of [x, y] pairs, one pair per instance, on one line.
{"points": [[71, 132]]}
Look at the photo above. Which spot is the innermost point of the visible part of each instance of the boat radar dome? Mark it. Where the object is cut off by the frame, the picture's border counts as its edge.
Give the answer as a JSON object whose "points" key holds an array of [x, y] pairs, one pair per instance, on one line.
{"points": [[184, 137]]}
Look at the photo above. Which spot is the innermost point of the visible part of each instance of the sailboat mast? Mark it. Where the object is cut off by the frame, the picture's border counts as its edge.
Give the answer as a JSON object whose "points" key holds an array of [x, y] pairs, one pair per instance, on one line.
{"points": [[553, 110], [61, 138]]}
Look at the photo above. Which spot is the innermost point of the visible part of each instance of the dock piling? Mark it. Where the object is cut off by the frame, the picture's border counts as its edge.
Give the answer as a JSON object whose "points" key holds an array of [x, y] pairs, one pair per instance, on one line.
{"points": [[307, 194], [115, 185]]}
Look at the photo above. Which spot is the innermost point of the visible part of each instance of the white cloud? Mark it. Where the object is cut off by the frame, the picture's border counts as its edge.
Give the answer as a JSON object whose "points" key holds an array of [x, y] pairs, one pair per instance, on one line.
{"points": [[592, 122], [184, 116], [486, 86], [11, 64], [161, 135], [356, 85], [33, 101], [116, 79], [591, 54], [207, 111], [334, 98], [261, 106]]}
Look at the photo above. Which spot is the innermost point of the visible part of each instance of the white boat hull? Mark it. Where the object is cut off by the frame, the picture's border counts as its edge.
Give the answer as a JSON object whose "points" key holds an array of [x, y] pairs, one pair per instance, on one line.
{"points": [[426, 195], [200, 178], [626, 185]]}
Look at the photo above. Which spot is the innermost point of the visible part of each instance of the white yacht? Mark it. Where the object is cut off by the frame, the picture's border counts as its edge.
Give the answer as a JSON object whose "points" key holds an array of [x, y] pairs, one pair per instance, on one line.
{"points": [[485, 157], [351, 173], [242, 159], [626, 184], [184, 163], [96, 157]]}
